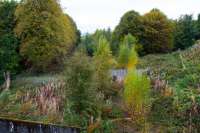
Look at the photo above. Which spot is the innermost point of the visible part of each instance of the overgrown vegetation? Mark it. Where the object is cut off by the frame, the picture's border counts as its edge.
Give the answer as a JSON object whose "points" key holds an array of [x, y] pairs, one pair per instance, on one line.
{"points": [[98, 82]]}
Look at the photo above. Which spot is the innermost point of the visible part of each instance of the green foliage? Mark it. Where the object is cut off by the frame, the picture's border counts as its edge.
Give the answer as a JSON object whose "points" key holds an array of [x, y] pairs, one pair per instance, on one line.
{"points": [[132, 41], [130, 23], [127, 57], [103, 63], [162, 110], [75, 28], [158, 32], [169, 67], [4, 98], [9, 57], [184, 33], [123, 56], [133, 58], [136, 94], [90, 41], [70, 116], [80, 81], [47, 35], [187, 104], [153, 30], [106, 126], [7, 9], [99, 33], [180, 111], [198, 27], [177, 113]]}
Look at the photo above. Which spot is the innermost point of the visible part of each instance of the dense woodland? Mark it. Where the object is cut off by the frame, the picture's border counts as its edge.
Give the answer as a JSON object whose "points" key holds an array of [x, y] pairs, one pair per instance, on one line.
{"points": [[51, 73]]}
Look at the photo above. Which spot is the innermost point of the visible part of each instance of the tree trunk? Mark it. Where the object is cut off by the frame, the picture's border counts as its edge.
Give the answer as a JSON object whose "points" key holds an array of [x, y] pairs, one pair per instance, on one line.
{"points": [[7, 80]]}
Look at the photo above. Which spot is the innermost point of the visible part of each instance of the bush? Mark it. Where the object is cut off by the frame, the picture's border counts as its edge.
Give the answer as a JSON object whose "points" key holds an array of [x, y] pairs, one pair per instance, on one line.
{"points": [[136, 95], [177, 113], [128, 57], [80, 82]]}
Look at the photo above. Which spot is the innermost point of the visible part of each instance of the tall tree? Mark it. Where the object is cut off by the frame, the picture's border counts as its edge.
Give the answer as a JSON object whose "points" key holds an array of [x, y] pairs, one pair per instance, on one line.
{"points": [[103, 63], [80, 80], [130, 23], [47, 35], [90, 41], [127, 56], [184, 32], [198, 27], [158, 32], [136, 95], [75, 28], [9, 57]]}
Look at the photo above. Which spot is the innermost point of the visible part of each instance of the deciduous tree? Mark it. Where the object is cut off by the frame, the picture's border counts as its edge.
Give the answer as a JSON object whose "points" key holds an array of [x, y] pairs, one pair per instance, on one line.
{"points": [[127, 57], [184, 34], [103, 64], [47, 35], [9, 56], [158, 32], [136, 95], [130, 23]]}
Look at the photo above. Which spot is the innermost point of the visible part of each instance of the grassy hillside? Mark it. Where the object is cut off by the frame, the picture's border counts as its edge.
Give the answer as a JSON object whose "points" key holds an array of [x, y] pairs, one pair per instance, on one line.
{"points": [[180, 110], [175, 67], [181, 70]]}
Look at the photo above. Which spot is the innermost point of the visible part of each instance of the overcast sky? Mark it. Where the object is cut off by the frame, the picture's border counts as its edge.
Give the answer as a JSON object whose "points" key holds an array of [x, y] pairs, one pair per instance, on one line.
{"points": [[92, 14]]}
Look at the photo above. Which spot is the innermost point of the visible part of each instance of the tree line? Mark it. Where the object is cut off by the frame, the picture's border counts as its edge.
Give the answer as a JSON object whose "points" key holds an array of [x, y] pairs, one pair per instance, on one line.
{"points": [[35, 35], [39, 37], [153, 31]]}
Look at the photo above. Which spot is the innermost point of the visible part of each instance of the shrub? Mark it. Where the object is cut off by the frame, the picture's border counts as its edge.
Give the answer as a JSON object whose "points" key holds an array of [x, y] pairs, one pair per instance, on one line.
{"points": [[162, 110], [136, 94], [127, 57], [123, 56], [80, 82], [187, 105]]}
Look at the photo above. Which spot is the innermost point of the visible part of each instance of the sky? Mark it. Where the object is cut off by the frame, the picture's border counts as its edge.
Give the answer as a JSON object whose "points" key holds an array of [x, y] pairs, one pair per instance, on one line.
{"points": [[90, 15]]}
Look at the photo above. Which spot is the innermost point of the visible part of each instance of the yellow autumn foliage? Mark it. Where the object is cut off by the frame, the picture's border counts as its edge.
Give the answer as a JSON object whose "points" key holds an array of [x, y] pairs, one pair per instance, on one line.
{"points": [[136, 93], [132, 59], [47, 35]]}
